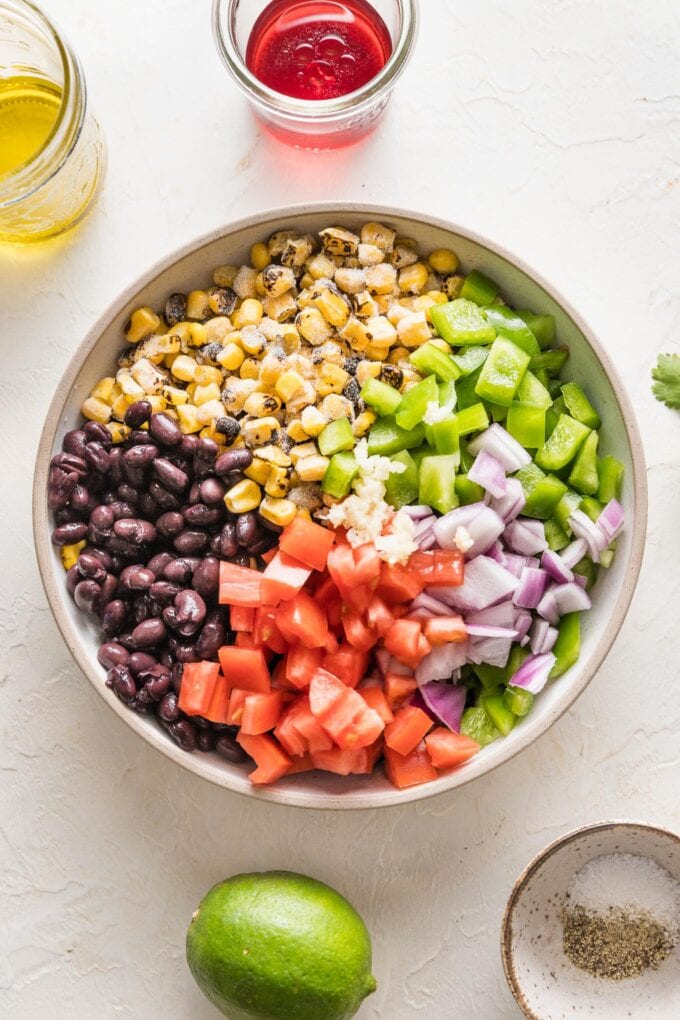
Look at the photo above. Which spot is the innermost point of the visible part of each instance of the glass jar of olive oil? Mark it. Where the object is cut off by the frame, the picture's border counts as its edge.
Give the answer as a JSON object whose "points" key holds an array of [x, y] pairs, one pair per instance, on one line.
{"points": [[51, 151]]}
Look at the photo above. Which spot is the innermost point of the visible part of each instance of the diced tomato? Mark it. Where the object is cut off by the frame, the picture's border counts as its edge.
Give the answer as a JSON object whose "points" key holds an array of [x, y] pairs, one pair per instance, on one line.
{"points": [[408, 728], [302, 763], [331, 645], [241, 617], [283, 578], [334, 613], [279, 678], [444, 630], [266, 631], [341, 567], [424, 648], [409, 770], [301, 619], [198, 685], [287, 733], [271, 760], [301, 663], [438, 566], [347, 761], [447, 749], [399, 687], [375, 699], [309, 727], [398, 584], [308, 542], [237, 700], [403, 642], [261, 712], [367, 564], [218, 708], [378, 616], [342, 712], [239, 586], [348, 663], [327, 591], [269, 555], [356, 631], [245, 668]]}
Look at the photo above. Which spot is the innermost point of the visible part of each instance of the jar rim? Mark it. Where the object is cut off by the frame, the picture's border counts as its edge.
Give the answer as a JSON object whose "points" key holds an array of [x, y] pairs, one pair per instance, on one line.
{"points": [[319, 109]]}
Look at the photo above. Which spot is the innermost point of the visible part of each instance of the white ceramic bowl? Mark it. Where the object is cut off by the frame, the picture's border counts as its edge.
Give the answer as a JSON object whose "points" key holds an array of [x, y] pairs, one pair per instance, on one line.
{"points": [[544, 982], [182, 270]]}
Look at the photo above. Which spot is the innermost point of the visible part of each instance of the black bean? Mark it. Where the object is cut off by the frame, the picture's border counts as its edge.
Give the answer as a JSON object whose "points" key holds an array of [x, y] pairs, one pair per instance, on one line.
{"points": [[148, 506], [140, 456], [67, 534], [261, 545], [184, 733], [201, 516], [122, 550], [72, 579], [61, 485], [215, 545], [116, 465], [212, 636], [137, 414], [228, 427], [190, 543], [212, 491], [159, 562], [229, 545], [120, 679], [246, 528], [102, 518], [191, 610], [156, 681], [205, 740], [100, 554], [74, 442], [241, 559], [137, 578], [129, 492], [97, 457], [149, 632], [226, 746], [80, 498], [67, 515], [194, 494], [170, 524], [125, 638], [164, 592], [98, 433], [109, 589], [170, 475], [143, 608], [205, 577], [113, 617], [179, 571], [121, 508], [70, 462], [165, 430], [86, 596], [176, 671], [188, 446], [112, 654], [90, 565], [233, 460], [135, 530], [170, 618], [166, 500], [276, 529], [167, 709], [205, 455], [183, 651], [141, 661]]}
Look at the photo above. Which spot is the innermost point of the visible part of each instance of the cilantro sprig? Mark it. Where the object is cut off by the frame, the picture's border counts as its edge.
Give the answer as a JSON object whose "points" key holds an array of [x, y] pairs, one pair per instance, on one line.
{"points": [[666, 375]]}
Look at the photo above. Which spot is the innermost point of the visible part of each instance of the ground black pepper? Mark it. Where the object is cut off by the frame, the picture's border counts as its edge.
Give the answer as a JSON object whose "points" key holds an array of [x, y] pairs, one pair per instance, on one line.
{"points": [[615, 945]]}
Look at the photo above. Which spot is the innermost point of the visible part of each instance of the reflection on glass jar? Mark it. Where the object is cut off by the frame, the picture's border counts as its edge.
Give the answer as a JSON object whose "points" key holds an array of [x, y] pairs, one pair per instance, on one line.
{"points": [[51, 151]]}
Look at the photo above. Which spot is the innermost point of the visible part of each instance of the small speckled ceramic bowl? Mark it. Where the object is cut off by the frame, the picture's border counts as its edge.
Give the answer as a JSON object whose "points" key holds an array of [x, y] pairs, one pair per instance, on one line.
{"points": [[545, 983]]}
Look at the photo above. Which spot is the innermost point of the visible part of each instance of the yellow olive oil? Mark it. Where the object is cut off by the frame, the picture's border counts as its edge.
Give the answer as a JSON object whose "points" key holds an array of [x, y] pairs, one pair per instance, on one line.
{"points": [[29, 108]]}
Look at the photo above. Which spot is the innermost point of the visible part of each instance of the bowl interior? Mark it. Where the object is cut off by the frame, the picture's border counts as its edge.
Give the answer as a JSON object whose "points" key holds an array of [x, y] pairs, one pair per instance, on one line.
{"points": [[192, 268], [545, 983]]}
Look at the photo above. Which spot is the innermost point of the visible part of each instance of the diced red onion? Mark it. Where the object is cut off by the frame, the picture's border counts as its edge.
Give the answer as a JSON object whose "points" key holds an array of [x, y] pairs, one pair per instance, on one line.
{"points": [[445, 527], [496, 552], [488, 472], [532, 584], [543, 636], [416, 512], [416, 700], [502, 615], [571, 598], [394, 666], [611, 519], [580, 580], [525, 536], [484, 529], [423, 525], [485, 583], [574, 552], [547, 608], [427, 540], [440, 663], [533, 674], [523, 621], [583, 527], [435, 605], [419, 614], [512, 503], [500, 444], [485, 630], [555, 566], [446, 702], [514, 563], [494, 651]]}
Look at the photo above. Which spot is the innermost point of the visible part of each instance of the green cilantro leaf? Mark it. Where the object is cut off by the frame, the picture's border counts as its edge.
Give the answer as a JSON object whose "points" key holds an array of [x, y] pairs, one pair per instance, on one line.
{"points": [[666, 377]]}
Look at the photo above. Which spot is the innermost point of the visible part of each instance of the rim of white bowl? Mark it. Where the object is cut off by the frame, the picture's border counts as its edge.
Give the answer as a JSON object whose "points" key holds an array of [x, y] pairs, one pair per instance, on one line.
{"points": [[204, 766], [528, 873]]}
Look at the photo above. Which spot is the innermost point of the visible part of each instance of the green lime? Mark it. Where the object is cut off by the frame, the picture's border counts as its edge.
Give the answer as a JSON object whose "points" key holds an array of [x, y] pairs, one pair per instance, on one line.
{"points": [[279, 946]]}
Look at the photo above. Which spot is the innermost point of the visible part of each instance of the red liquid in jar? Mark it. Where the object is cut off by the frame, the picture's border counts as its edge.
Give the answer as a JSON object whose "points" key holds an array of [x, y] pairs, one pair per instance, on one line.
{"points": [[318, 49]]}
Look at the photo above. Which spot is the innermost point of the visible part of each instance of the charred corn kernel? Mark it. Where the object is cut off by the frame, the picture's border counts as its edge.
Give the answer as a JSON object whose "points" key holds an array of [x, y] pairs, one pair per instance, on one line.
{"points": [[252, 340], [280, 308], [301, 364], [243, 496], [148, 376], [397, 354], [370, 254], [312, 469], [259, 431], [218, 329], [277, 280], [333, 307], [274, 455], [235, 393], [335, 406], [303, 450], [304, 396], [197, 335], [379, 235], [202, 394], [129, 385], [443, 260], [224, 276], [303, 512], [331, 379], [119, 406], [296, 431], [381, 332], [258, 471], [244, 282], [367, 370], [453, 286], [375, 352], [413, 330], [209, 432], [278, 511], [437, 341], [351, 281], [259, 255], [96, 410], [438, 296], [119, 432], [381, 279], [297, 250], [312, 421], [396, 312], [250, 369], [249, 314], [288, 384], [278, 241], [206, 374], [423, 303], [306, 281], [197, 305], [261, 404], [104, 389], [313, 326], [184, 368], [365, 305], [259, 286], [413, 278], [187, 418], [356, 334], [338, 241], [158, 403], [362, 423], [231, 357], [142, 323], [290, 338], [321, 267], [278, 483], [191, 389], [210, 411], [403, 255], [70, 553], [382, 303], [271, 367]]}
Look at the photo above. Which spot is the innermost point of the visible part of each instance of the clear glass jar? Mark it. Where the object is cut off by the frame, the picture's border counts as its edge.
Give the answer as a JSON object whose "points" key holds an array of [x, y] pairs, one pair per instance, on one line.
{"points": [[327, 123], [55, 185]]}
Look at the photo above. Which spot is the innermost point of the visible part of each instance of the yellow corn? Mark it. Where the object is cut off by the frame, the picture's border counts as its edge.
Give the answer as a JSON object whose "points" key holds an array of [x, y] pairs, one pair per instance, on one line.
{"points": [[104, 389], [158, 403], [277, 242], [443, 260], [244, 282], [438, 296], [119, 406], [224, 276], [335, 406], [313, 326], [376, 352], [437, 341], [259, 286], [259, 255], [303, 450], [243, 496], [297, 251], [70, 553], [312, 421], [398, 354], [453, 286], [143, 322], [278, 483], [381, 279], [306, 280], [96, 410], [202, 394], [278, 511], [379, 235], [271, 368], [288, 384], [362, 423], [413, 278], [356, 334], [331, 379], [274, 455], [187, 418], [206, 374], [258, 471], [280, 308], [365, 305], [338, 241], [367, 370], [381, 332], [197, 334], [184, 368], [333, 308], [148, 376], [320, 267], [304, 396], [277, 280], [413, 330], [217, 329], [312, 469], [259, 431], [250, 369], [296, 431], [261, 404], [231, 357], [197, 305], [209, 432], [119, 432], [370, 254], [235, 393], [174, 395], [252, 340], [210, 411], [249, 314]]}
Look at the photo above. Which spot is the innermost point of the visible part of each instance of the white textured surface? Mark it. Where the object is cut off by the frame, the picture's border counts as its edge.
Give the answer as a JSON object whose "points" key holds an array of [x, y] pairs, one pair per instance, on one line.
{"points": [[552, 126]]}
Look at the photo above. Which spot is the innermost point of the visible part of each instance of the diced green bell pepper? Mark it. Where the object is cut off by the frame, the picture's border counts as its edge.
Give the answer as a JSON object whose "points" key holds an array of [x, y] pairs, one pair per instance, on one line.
{"points": [[607, 556], [532, 391], [384, 399], [502, 372], [542, 326], [470, 359], [529, 476], [340, 473], [466, 458], [479, 288], [586, 568], [498, 412], [445, 436], [490, 676], [422, 451], [544, 497], [447, 394], [437, 482], [555, 535], [429, 360], [570, 501], [508, 324], [477, 724], [518, 700], [501, 716], [563, 444], [386, 438], [526, 424], [583, 475], [462, 322], [517, 657], [610, 473], [336, 436], [579, 406], [552, 361], [552, 415], [401, 488], [465, 389], [472, 419], [591, 507], [414, 403], [467, 491], [568, 645]]}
